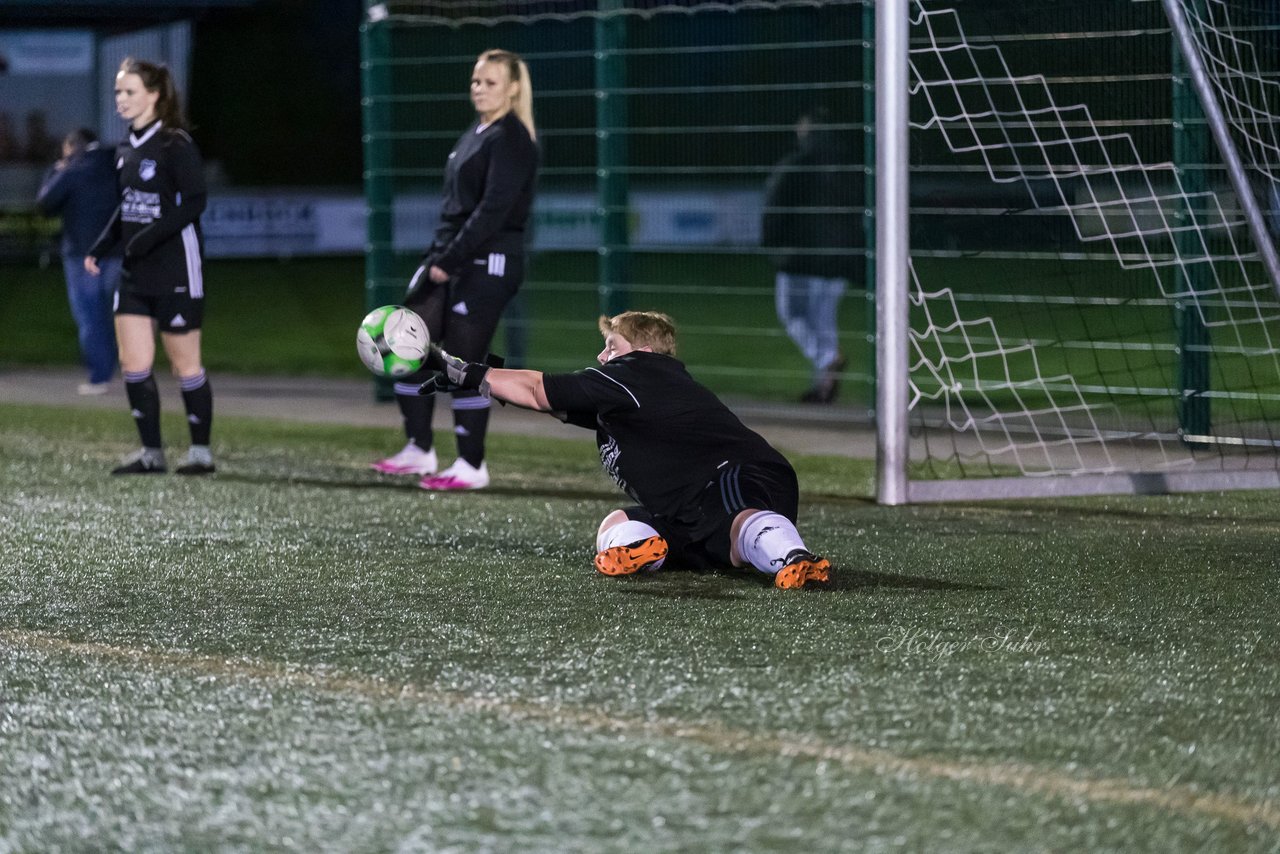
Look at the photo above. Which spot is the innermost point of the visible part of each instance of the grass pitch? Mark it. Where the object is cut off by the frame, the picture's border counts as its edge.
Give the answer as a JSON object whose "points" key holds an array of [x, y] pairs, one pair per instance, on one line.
{"points": [[299, 654]]}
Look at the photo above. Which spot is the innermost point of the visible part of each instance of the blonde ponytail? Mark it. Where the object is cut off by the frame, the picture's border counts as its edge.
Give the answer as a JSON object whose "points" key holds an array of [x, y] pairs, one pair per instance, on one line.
{"points": [[518, 72], [523, 105]]}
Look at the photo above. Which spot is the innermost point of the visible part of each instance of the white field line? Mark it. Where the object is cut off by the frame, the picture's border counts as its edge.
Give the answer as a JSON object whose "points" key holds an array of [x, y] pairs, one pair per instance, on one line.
{"points": [[1179, 799]]}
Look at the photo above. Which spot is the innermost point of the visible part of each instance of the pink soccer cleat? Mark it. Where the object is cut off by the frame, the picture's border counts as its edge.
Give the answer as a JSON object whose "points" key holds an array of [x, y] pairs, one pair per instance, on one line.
{"points": [[410, 460], [460, 475]]}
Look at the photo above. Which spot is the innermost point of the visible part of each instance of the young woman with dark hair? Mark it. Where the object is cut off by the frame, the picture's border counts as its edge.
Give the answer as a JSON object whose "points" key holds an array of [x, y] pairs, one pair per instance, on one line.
{"points": [[162, 194]]}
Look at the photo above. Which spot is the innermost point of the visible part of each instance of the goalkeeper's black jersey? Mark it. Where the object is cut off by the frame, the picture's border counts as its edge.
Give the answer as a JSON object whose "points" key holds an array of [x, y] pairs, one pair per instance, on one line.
{"points": [[661, 434], [162, 194]]}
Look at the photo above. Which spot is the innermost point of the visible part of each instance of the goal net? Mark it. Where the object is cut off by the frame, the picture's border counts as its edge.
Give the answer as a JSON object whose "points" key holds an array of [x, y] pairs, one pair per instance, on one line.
{"points": [[1090, 306]]}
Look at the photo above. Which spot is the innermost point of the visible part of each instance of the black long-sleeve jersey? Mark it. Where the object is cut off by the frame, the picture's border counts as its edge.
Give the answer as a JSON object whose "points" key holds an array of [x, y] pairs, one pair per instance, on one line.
{"points": [[488, 191], [162, 194], [662, 435]]}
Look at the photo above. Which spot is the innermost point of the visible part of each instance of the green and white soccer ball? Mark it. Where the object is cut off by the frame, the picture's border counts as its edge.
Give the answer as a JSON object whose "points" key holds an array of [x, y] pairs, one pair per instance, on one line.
{"points": [[392, 341]]}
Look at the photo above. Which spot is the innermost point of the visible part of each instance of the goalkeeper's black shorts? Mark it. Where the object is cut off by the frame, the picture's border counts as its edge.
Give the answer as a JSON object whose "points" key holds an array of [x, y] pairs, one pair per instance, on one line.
{"points": [[698, 532]]}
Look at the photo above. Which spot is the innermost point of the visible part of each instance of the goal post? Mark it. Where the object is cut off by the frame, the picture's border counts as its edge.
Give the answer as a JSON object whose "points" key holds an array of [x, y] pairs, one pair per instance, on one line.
{"points": [[893, 250]]}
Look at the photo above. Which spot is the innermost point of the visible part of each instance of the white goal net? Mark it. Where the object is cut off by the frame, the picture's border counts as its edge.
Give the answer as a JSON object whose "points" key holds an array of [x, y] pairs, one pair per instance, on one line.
{"points": [[1090, 311]]}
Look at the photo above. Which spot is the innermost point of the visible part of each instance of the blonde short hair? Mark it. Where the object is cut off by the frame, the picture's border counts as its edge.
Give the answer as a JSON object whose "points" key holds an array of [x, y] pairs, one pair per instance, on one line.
{"points": [[651, 329]]}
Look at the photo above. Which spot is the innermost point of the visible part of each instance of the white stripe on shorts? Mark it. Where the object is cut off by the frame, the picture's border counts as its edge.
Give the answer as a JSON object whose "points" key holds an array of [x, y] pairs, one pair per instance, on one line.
{"points": [[191, 247], [418, 274], [497, 264]]}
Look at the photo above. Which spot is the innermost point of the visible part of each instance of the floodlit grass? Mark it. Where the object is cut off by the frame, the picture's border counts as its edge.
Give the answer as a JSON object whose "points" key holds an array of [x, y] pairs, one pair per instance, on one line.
{"points": [[298, 654]]}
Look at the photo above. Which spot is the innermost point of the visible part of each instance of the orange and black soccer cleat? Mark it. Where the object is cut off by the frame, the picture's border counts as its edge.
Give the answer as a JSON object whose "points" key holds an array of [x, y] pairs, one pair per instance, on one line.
{"points": [[628, 559], [803, 569]]}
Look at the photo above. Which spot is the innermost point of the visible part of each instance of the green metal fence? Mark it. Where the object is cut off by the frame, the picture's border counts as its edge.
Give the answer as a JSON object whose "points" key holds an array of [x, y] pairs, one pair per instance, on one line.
{"points": [[658, 133], [661, 122]]}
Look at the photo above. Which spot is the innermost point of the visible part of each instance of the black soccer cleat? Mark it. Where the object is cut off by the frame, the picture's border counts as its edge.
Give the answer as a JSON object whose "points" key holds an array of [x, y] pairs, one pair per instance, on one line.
{"points": [[141, 462]]}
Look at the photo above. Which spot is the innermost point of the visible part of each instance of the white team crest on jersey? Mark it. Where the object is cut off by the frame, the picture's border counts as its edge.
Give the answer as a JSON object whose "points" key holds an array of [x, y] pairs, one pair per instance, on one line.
{"points": [[147, 170]]}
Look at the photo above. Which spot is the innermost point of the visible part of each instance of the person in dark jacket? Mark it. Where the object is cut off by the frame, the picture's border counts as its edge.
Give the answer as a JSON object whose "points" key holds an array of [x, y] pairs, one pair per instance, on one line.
{"points": [[474, 265], [162, 192], [81, 189], [810, 226]]}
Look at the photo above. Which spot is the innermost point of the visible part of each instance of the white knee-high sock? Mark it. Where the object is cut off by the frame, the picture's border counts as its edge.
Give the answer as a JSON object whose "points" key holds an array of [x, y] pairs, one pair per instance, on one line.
{"points": [[765, 540], [624, 534]]}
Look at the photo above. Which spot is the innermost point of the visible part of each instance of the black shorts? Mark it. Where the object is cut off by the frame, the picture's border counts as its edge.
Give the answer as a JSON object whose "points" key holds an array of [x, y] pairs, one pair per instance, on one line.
{"points": [[173, 312], [697, 534], [463, 314]]}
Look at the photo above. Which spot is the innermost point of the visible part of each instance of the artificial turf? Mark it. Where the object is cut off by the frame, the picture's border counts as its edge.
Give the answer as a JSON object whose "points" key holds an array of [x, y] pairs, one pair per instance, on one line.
{"points": [[299, 654]]}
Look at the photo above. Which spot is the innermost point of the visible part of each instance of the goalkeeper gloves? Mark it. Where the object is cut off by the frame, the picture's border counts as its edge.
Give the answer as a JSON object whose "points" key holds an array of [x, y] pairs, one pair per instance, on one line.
{"points": [[455, 374]]}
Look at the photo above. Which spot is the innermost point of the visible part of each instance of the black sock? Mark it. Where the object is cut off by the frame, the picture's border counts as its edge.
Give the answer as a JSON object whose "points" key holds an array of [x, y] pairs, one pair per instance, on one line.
{"points": [[471, 426], [416, 410], [144, 402], [198, 398]]}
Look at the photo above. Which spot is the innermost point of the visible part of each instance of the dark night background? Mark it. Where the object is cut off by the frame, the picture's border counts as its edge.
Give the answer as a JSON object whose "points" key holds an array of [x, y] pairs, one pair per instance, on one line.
{"points": [[275, 91]]}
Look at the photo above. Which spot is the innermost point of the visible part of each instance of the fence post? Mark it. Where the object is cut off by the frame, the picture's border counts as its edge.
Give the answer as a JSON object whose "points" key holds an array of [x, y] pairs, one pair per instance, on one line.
{"points": [[867, 35], [1191, 152], [379, 255]]}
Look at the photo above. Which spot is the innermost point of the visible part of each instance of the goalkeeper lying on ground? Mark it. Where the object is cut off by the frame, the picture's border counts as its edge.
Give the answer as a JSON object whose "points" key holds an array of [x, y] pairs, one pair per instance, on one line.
{"points": [[711, 493]]}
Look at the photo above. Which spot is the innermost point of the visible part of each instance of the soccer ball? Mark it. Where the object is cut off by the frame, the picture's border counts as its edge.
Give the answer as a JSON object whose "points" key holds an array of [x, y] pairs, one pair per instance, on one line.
{"points": [[392, 341]]}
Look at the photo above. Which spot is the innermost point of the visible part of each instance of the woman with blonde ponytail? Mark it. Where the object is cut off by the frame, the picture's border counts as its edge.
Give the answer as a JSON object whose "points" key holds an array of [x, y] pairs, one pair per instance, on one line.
{"points": [[474, 265]]}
